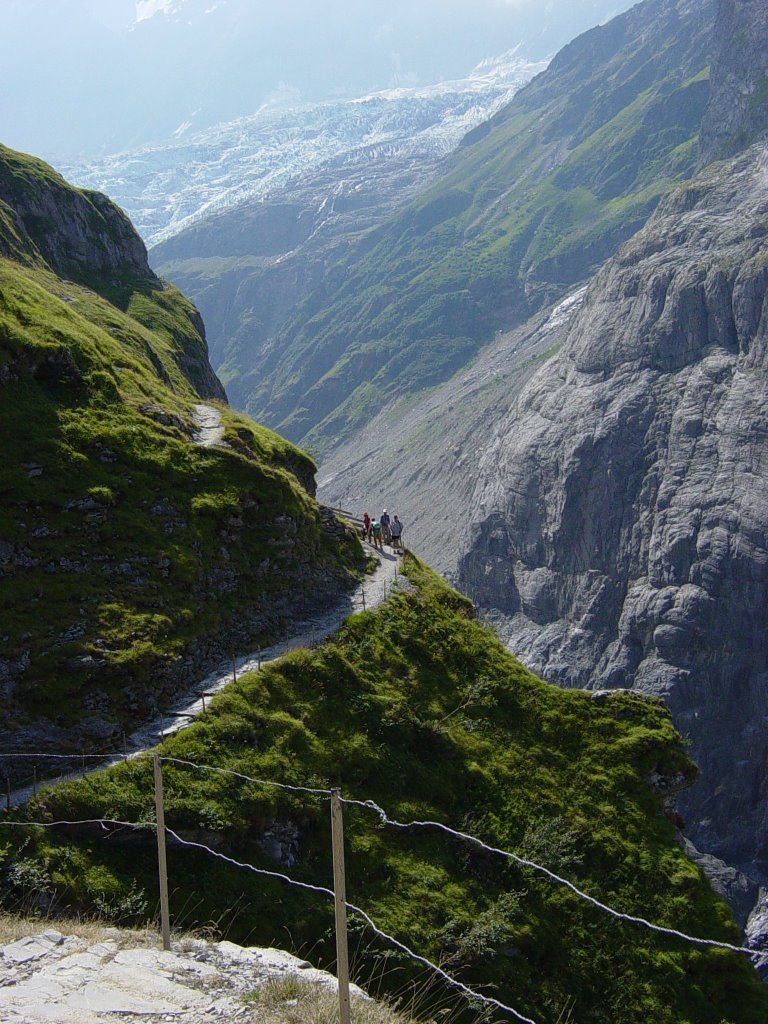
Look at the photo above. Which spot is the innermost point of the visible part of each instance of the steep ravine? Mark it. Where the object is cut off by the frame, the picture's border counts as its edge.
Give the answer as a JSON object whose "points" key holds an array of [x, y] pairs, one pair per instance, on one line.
{"points": [[420, 458]]}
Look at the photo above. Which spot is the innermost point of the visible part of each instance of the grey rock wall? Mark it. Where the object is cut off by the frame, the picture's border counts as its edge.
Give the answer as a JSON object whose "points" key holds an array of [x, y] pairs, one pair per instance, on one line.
{"points": [[738, 108], [420, 458], [619, 530]]}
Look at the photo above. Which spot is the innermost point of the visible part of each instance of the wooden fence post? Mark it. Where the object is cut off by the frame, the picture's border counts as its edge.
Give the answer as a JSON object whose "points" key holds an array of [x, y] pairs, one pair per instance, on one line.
{"points": [[161, 860], [340, 905], [8, 792], [234, 669]]}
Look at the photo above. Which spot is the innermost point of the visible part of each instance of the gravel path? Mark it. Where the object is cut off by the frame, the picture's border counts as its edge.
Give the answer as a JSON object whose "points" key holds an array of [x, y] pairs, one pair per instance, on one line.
{"points": [[209, 430], [368, 594]]}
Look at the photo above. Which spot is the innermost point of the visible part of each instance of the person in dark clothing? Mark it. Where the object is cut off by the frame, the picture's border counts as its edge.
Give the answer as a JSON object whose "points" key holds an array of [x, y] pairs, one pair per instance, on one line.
{"points": [[397, 532]]}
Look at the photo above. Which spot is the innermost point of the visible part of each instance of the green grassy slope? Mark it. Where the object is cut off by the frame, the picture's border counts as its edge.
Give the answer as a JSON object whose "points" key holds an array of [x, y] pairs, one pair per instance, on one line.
{"points": [[83, 238], [531, 204], [419, 707], [129, 557]]}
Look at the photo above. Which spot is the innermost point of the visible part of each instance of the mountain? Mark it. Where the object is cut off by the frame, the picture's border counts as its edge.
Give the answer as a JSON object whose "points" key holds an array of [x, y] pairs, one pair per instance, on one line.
{"points": [[326, 177], [419, 708], [132, 560], [348, 145], [619, 528], [120, 75], [420, 455], [531, 204], [738, 112]]}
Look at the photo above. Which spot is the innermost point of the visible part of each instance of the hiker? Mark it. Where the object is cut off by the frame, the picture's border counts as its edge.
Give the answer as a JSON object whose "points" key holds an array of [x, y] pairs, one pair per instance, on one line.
{"points": [[366, 527], [386, 533], [397, 532], [376, 530]]}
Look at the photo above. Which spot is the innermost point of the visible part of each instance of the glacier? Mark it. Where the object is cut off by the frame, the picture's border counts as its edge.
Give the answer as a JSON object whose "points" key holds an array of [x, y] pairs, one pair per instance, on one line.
{"points": [[169, 186]]}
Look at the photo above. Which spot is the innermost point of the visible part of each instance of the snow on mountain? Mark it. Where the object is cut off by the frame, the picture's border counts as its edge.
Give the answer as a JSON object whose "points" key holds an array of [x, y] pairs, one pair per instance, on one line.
{"points": [[146, 9], [167, 187]]}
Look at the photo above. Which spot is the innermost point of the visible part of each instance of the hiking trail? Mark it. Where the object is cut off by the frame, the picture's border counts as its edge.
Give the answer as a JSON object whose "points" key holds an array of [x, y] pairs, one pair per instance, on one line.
{"points": [[209, 430], [368, 594]]}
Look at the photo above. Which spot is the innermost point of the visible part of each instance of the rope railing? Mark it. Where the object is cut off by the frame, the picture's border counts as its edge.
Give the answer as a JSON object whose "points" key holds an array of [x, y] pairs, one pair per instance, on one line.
{"points": [[526, 862], [249, 778], [346, 514], [81, 821], [112, 823], [73, 756]]}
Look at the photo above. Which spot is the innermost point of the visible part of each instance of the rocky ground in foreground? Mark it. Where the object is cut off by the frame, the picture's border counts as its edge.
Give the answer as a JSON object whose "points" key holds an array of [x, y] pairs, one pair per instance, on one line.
{"points": [[122, 975]]}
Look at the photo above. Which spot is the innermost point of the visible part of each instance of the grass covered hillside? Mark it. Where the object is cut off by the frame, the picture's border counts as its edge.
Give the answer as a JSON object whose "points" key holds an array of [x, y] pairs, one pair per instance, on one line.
{"points": [[531, 204], [419, 707], [130, 558]]}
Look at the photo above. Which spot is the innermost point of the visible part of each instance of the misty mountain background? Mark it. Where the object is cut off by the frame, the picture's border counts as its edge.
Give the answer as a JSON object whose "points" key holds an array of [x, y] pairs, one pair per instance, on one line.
{"points": [[82, 78]]}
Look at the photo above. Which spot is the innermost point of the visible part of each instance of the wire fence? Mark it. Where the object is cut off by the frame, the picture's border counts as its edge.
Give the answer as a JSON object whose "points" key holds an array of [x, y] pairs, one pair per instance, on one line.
{"points": [[338, 894]]}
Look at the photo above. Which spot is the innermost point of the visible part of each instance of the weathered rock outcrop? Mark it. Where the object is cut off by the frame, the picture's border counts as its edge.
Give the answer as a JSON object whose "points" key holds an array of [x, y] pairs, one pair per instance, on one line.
{"points": [[621, 529], [72, 980]]}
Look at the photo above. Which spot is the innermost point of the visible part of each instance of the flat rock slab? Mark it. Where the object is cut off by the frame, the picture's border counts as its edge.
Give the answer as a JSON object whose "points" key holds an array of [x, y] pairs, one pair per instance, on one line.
{"points": [[35, 947], [94, 983], [52, 978]]}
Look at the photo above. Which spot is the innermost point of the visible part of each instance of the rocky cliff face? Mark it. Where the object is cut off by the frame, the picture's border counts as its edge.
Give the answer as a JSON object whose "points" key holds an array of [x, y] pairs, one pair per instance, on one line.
{"points": [[80, 235], [738, 112], [420, 459], [621, 529]]}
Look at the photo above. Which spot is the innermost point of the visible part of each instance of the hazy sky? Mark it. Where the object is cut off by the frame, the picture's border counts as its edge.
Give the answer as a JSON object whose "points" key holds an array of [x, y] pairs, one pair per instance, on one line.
{"points": [[83, 77]]}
